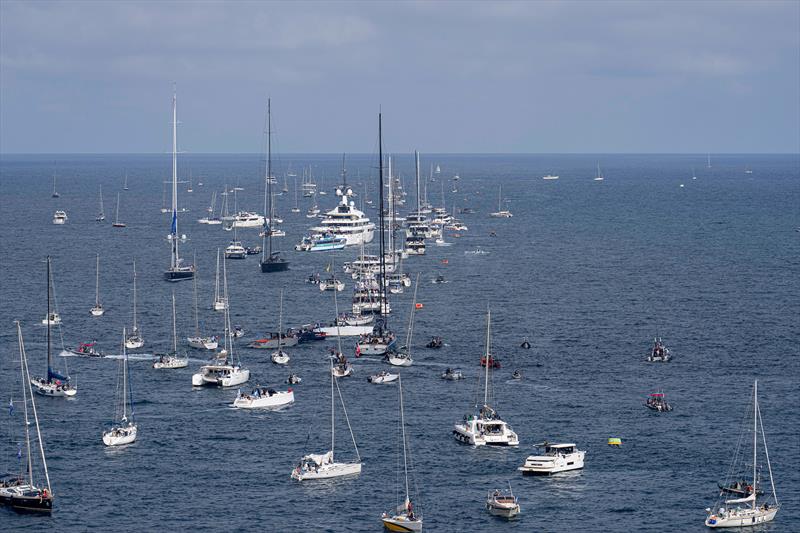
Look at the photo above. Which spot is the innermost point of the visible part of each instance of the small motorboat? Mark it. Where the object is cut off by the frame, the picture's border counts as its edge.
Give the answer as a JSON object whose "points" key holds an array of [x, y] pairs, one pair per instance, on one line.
{"points": [[383, 377], [313, 279], [439, 279], [86, 349], [452, 374], [502, 503], [252, 250], [493, 362], [659, 353], [263, 398], [517, 374], [435, 343], [293, 379], [238, 331], [525, 344], [658, 402], [553, 459]]}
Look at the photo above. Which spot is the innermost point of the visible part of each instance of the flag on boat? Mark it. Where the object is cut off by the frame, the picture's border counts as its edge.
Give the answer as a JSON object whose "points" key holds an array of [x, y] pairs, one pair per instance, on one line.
{"points": [[19, 450], [174, 222], [11, 406]]}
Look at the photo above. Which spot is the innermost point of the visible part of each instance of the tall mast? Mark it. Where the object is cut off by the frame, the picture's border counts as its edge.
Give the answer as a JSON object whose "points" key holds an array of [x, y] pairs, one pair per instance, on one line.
{"points": [[403, 428], [268, 186], [124, 378], [49, 291], [97, 283], [196, 319], [174, 326], [333, 420], [416, 166], [22, 369], [174, 229], [755, 439], [383, 302], [488, 355], [135, 329], [216, 281]]}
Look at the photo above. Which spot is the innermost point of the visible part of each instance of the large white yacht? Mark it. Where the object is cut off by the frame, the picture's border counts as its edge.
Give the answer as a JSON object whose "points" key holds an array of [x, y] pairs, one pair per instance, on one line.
{"points": [[345, 220], [245, 219], [60, 218], [555, 458]]}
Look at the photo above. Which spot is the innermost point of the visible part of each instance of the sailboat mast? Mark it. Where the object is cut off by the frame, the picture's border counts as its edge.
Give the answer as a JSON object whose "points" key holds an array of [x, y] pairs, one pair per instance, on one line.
{"points": [[135, 329], [383, 303], [97, 283], [755, 439], [416, 165], [216, 280], [174, 229], [403, 429], [280, 320], [333, 420], [49, 292], [116, 213], [488, 356], [174, 326], [196, 319], [124, 378], [268, 187], [22, 368]]}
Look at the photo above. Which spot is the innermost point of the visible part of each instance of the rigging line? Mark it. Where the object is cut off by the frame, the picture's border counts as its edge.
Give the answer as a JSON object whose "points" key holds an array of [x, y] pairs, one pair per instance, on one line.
{"points": [[344, 409], [766, 454]]}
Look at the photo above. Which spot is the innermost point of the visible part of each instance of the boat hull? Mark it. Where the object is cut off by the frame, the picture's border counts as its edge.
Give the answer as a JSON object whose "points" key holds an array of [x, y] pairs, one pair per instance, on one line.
{"points": [[274, 266], [278, 399], [742, 517], [401, 523], [327, 472], [120, 436], [179, 274], [53, 390], [345, 331]]}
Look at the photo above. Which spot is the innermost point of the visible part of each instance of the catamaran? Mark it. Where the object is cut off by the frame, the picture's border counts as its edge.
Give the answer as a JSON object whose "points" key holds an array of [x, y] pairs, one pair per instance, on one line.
{"points": [[25, 496], [172, 359], [403, 517], [177, 270], [54, 384], [134, 341], [485, 428], [123, 430], [750, 507], [97, 310]]}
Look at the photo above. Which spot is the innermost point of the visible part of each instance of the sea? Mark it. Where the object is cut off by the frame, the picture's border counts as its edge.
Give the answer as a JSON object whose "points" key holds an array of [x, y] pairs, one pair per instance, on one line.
{"points": [[705, 257]]}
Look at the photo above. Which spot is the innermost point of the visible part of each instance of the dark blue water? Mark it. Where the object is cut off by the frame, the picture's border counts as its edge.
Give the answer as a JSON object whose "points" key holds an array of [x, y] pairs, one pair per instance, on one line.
{"points": [[589, 271]]}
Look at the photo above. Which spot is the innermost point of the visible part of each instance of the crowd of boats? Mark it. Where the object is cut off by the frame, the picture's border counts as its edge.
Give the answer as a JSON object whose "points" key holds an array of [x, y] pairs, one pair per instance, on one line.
{"points": [[376, 277]]}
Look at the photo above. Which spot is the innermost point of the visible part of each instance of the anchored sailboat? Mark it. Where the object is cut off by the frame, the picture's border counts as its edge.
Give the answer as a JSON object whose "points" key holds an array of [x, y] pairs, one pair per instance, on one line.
{"points": [[177, 270], [101, 215], [280, 357], [199, 341], [97, 310], [220, 302], [271, 261], [172, 359], [123, 430], [117, 223], [134, 340]]}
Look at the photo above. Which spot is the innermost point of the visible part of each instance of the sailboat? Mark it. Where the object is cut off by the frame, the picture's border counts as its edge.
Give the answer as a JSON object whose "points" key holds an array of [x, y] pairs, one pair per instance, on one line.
{"points": [[25, 496], [177, 270], [55, 193], [172, 359], [748, 507], [123, 430], [501, 213], [485, 428], [271, 261], [97, 310], [54, 384], [599, 176], [403, 517], [226, 370], [134, 340], [125, 182], [199, 341], [404, 358], [117, 223], [296, 208], [220, 302], [210, 218], [323, 466], [164, 208], [101, 216], [280, 357]]}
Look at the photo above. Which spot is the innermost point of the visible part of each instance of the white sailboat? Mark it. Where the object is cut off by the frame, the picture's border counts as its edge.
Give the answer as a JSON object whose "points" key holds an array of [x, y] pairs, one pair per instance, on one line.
{"points": [[280, 357], [25, 496], [323, 466], [750, 506], [599, 176], [101, 215], [123, 430], [485, 428], [403, 517], [220, 302], [172, 359], [501, 213], [55, 193], [404, 358], [97, 310], [117, 223], [199, 341], [134, 341], [53, 384]]}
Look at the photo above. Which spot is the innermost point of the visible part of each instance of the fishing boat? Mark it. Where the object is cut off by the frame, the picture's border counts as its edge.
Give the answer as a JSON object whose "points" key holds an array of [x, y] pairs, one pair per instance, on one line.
{"points": [[403, 517], [599, 176], [134, 340], [172, 359], [26, 494], [263, 398], [123, 430], [452, 374], [383, 376], [53, 384], [60, 217], [117, 223], [323, 465], [101, 215], [657, 401], [271, 260], [220, 303], [485, 428], [177, 270], [503, 503], [554, 458], [279, 357], [97, 310], [751, 508], [199, 341], [659, 353], [501, 213]]}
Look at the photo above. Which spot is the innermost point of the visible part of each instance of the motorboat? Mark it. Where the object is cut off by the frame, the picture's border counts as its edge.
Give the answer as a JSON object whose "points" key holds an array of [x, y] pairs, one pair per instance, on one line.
{"points": [[452, 374], [657, 401], [246, 219], [554, 458], [383, 377], [293, 379], [435, 343], [517, 374], [345, 220], [659, 353], [549, 177], [503, 503], [318, 242], [60, 217], [86, 349], [235, 250], [263, 398]]}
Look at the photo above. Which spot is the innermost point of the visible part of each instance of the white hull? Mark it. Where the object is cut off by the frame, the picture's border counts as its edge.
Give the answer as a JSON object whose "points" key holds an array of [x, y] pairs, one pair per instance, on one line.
{"points": [[345, 331], [171, 363], [545, 465], [280, 358], [278, 399], [741, 517], [473, 435], [203, 343], [401, 523], [387, 378], [133, 344], [97, 311], [327, 471], [399, 361], [220, 305], [120, 436], [51, 389], [232, 380], [503, 510]]}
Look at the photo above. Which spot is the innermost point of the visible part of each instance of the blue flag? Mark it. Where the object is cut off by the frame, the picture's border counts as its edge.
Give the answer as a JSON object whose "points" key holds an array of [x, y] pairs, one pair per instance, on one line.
{"points": [[11, 406], [174, 223], [19, 451]]}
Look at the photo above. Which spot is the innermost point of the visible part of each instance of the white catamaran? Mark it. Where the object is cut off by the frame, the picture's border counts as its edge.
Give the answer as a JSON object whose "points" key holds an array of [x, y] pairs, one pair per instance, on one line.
{"points": [[743, 502]]}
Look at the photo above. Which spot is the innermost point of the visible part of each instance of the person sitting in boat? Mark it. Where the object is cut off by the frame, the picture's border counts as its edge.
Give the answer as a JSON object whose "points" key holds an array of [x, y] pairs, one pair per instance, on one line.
{"points": [[525, 344]]}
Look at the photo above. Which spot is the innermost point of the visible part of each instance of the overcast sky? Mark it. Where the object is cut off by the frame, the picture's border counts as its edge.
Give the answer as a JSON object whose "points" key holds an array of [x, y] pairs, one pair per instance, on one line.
{"points": [[449, 76]]}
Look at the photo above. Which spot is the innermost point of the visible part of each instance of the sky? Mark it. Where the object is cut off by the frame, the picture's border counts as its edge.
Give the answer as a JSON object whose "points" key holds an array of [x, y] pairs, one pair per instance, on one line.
{"points": [[448, 76]]}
